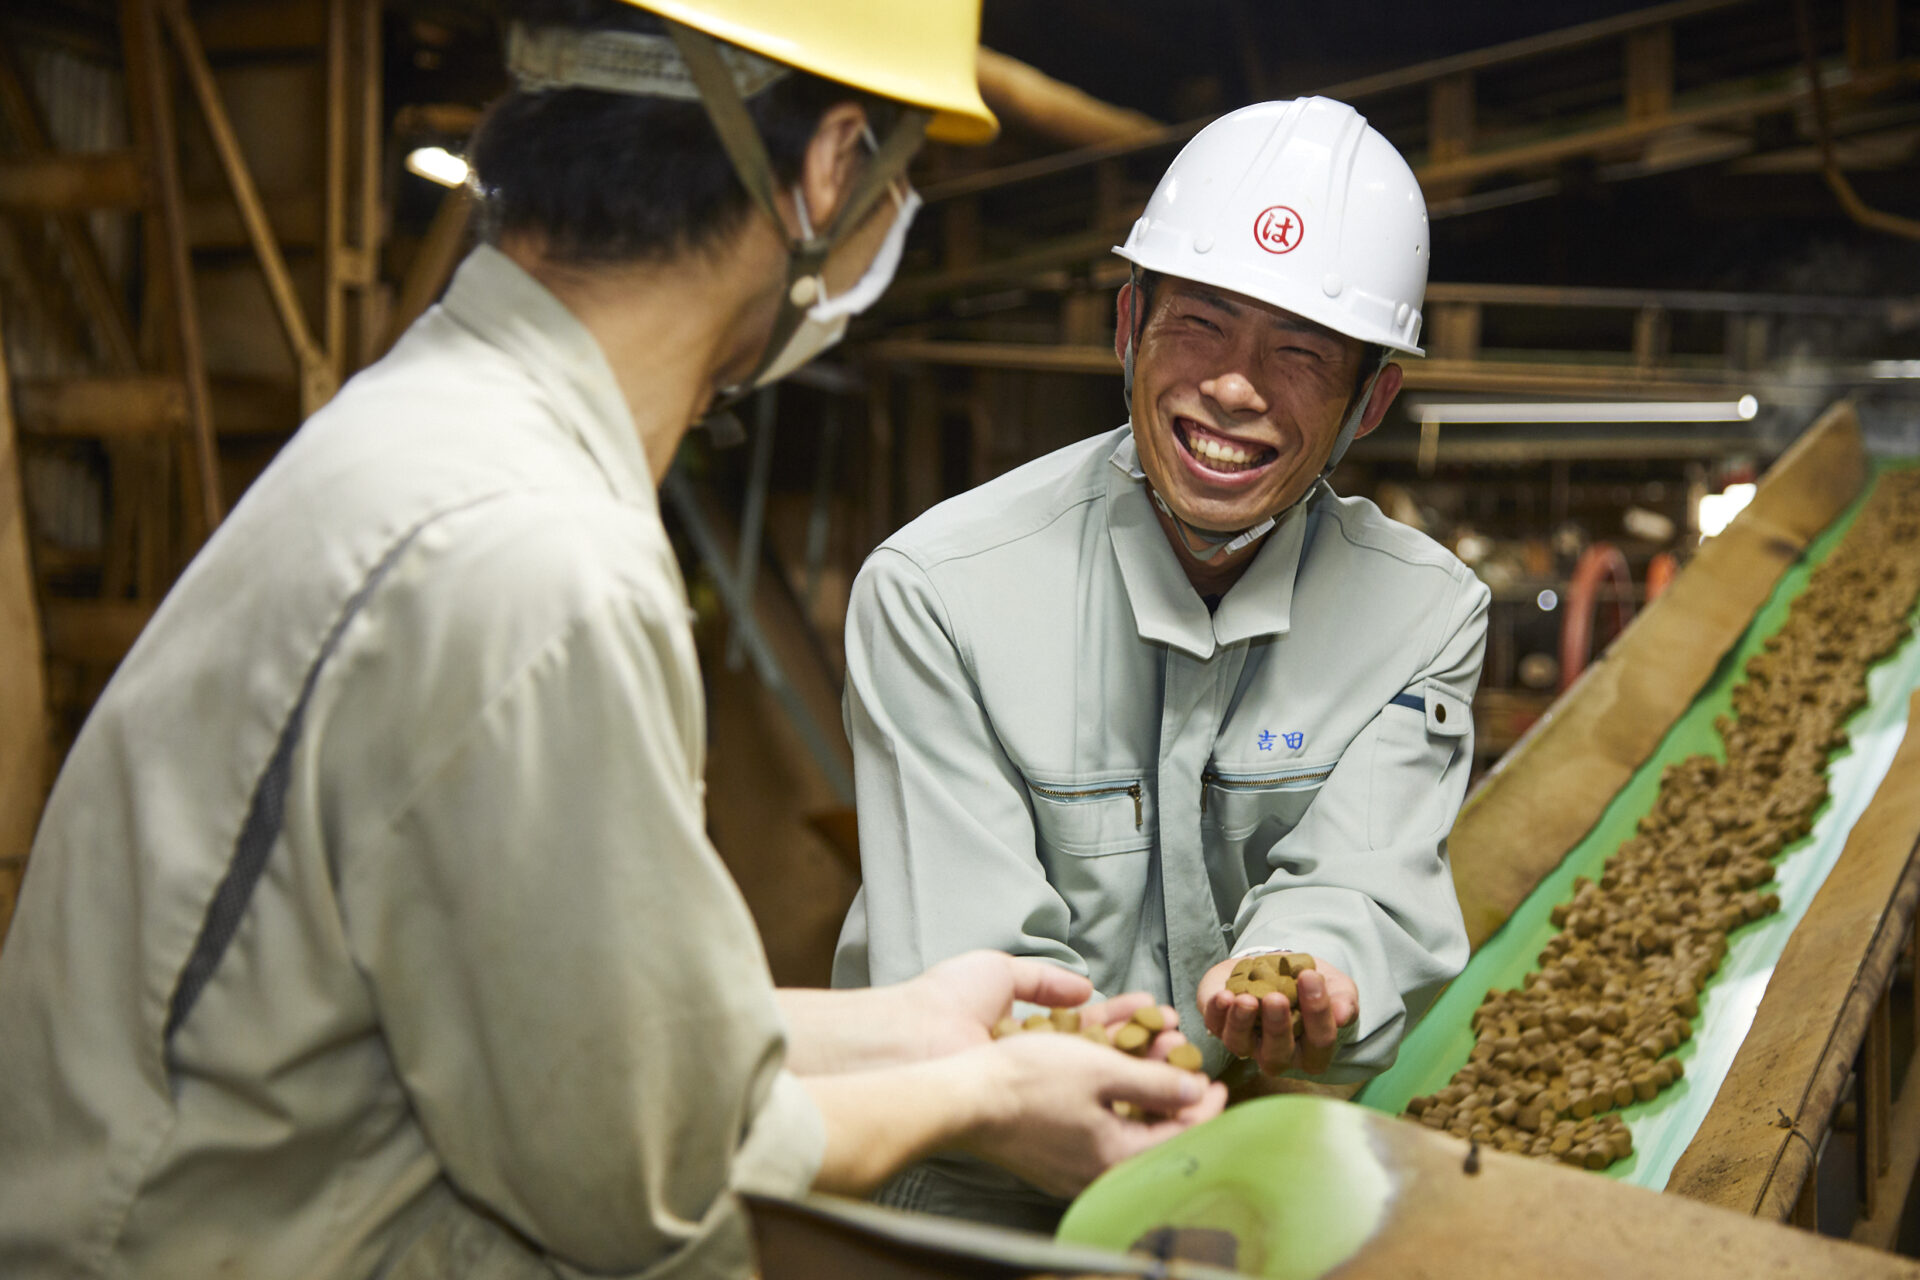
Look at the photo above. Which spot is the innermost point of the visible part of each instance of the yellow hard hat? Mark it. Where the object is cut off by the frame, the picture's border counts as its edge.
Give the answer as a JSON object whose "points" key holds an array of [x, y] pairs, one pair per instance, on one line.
{"points": [[920, 52]]}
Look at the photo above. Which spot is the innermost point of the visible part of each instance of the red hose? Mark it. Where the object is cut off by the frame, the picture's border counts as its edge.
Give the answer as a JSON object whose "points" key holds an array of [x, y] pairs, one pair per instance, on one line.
{"points": [[1661, 571], [1601, 562]]}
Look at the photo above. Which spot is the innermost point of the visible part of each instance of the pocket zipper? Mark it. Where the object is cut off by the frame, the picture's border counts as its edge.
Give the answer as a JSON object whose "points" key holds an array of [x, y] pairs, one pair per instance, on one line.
{"points": [[1257, 782], [1094, 793]]}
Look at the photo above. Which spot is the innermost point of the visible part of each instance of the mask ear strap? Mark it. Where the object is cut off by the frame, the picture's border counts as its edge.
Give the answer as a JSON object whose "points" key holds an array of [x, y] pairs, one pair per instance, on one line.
{"points": [[744, 146], [889, 161], [1137, 325], [728, 112], [1351, 426]]}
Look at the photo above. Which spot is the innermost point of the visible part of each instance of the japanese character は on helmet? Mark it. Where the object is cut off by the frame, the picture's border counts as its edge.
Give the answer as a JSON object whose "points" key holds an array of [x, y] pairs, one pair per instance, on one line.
{"points": [[917, 52], [1299, 204]]}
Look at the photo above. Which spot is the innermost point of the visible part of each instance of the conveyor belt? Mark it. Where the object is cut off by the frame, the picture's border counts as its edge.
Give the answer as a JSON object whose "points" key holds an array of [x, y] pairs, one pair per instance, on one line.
{"points": [[1662, 1128]]}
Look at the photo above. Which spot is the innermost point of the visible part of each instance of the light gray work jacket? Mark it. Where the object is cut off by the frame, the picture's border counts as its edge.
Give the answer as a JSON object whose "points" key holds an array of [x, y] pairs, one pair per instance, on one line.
{"points": [[1061, 753], [493, 1007]]}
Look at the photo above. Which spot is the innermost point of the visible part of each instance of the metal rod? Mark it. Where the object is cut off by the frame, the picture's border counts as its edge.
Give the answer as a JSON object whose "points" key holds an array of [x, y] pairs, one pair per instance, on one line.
{"points": [[740, 611], [753, 519]]}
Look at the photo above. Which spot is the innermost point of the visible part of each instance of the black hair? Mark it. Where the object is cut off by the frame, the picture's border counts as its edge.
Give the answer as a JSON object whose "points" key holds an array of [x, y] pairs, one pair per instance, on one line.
{"points": [[1371, 353], [608, 178]]}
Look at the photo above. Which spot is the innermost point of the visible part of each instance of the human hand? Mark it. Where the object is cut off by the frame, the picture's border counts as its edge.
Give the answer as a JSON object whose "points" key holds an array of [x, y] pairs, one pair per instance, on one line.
{"points": [[1048, 1100], [1262, 1030], [956, 1002]]}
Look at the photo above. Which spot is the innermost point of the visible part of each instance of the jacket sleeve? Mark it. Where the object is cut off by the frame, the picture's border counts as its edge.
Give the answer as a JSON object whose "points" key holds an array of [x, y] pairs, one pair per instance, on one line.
{"points": [[947, 851], [1364, 878], [572, 991]]}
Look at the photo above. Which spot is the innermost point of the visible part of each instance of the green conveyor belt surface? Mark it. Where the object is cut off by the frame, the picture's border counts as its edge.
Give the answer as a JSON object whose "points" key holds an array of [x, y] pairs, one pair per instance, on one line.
{"points": [[1662, 1128]]}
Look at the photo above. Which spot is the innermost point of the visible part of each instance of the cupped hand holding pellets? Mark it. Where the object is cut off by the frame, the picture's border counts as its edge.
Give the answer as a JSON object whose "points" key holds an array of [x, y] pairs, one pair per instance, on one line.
{"points": [[1281, 1010], [1069, 1108]]}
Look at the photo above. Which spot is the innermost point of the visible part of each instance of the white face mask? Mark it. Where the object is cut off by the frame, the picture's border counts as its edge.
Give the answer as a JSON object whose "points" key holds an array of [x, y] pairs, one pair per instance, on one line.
{"points": [[826, 321]]}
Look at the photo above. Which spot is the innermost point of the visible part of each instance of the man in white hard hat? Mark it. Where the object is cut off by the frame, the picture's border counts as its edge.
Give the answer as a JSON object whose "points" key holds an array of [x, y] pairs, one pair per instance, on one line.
{"points": [[372, 928], [1162, 698]]}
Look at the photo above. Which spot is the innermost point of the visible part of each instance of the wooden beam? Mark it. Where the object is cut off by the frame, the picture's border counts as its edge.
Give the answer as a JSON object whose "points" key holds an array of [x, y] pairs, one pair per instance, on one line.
{"points": [[97, 295], [1873, 33], [1433, 374], [433, 262], [135, 405], [317, 384], [1054, 109], [1649, 71], [1651, 333], [154, 119], [76, 183], [370, 73], [94, 633], [1450, 117], [333, 340], [1456, 330], [1348, 91], [1548, 151], [32, 265]]}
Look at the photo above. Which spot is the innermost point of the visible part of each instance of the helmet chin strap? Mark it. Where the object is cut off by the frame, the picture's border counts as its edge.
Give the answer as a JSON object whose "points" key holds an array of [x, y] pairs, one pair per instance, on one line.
{"points": [[1214, 543]]}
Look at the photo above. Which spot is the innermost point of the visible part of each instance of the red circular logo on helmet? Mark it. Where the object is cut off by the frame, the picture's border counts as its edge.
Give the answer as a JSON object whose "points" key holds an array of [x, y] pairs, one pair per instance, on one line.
{"points": [[1278, 229]]}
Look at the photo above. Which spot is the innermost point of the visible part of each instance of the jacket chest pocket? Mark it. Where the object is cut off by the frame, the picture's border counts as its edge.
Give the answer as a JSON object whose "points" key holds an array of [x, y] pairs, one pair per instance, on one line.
{"points": [[1092, 819], [1236, 805]]}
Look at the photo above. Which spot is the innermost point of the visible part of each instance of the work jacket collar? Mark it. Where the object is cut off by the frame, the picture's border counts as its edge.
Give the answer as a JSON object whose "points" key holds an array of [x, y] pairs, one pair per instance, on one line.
{"points": [[1166, 608], [506, 307]]}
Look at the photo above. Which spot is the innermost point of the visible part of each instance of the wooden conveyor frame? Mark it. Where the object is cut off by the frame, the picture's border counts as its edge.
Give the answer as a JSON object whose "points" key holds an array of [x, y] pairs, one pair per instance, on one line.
{"points": [[1828, 1004]]}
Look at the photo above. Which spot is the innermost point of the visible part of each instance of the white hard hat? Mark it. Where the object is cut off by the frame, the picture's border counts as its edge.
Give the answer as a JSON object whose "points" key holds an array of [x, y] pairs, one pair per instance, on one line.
{"points": [[1302, 205]]}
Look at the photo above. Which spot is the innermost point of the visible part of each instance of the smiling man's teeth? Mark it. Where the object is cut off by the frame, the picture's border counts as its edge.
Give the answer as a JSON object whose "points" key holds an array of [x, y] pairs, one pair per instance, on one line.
{"points": [[1217, 450]]}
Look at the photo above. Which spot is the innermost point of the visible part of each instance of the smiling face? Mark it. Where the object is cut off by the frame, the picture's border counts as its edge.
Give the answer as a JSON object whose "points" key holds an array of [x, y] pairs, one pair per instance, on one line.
{"points": [[1236, 403]]}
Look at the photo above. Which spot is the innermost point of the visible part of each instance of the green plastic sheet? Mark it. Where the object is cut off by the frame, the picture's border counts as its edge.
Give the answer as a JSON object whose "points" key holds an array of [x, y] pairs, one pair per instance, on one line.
{"points": [[1662, 1128]]}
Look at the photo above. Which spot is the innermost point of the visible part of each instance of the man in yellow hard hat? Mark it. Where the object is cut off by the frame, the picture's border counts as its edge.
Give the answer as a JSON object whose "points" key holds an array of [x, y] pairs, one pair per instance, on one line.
{"points": [[372, 928]]}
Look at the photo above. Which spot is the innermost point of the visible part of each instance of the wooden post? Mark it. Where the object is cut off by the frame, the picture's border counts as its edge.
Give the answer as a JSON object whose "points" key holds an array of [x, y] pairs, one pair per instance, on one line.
{"points": [[333, 323], [921, 446], [373, 294], [1456, 330], [25, 727], [1873, 34], [316, 382], [879, 488], [143, 41], [432, 263], [1649, 55], [1650, 333], [1450, 118]]}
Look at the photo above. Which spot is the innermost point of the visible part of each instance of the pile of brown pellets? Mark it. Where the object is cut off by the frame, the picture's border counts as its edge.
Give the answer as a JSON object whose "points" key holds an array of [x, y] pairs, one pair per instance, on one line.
{"points": [[1276, 973], [1134, 1036], [1618, 987]]}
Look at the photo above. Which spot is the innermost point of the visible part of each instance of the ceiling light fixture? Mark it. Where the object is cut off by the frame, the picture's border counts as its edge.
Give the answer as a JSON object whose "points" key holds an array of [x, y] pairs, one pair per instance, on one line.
{"points": [[437, 164], [1742, 410]]}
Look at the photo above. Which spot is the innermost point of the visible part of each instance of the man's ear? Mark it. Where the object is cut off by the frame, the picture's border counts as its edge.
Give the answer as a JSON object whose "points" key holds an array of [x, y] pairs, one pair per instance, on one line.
{"points": [[831, 163], [1123, 321], [1385, 387]]}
